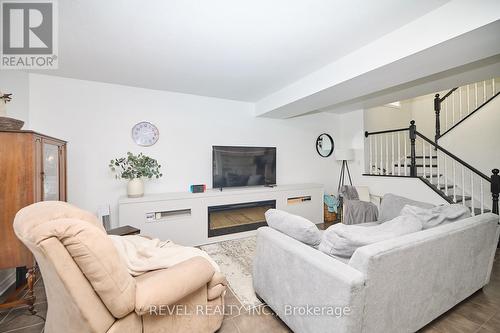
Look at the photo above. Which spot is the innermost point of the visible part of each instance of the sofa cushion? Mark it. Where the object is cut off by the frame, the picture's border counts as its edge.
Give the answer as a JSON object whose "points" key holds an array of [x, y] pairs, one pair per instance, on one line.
{"points": [[294, 226], [342, 240], [392, 205], [432, 217]]}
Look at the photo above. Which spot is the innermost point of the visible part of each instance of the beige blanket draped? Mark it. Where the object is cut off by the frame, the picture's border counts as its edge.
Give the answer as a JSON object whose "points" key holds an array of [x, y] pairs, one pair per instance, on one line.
{"points": [[142, 254]]}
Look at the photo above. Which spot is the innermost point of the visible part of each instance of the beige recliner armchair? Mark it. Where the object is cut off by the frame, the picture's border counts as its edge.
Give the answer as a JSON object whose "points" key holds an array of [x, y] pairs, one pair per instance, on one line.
{"points": [[89, 288]]}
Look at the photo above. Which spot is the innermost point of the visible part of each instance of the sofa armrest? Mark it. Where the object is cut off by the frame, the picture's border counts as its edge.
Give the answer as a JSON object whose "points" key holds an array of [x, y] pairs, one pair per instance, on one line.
{"points": [[291, 276], [167, 286]]}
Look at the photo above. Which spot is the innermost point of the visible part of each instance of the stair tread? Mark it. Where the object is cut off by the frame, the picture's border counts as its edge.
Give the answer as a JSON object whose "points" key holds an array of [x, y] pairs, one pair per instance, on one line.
{"points": [[417, 165], [442, 186], [460, 198], [477, 211], [420, 156]]}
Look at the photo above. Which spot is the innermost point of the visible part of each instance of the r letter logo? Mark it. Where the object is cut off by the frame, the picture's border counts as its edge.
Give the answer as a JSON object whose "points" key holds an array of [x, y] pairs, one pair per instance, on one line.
{"points": [[29, 32]]}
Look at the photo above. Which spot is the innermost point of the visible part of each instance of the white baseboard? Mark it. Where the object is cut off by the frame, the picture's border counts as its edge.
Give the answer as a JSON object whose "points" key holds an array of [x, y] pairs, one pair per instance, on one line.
{"points": [[8, 277]]}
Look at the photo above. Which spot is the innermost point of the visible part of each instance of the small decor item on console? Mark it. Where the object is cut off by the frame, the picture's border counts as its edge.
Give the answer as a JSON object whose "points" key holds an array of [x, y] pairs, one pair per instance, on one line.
{"points": [[7, 123], [135, 168], [198, 188]]}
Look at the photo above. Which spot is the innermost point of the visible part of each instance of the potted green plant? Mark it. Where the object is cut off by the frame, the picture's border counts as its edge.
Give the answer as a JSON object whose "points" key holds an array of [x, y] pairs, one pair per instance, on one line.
{"points": [[4, 99], [7, 123], [134, 168]]}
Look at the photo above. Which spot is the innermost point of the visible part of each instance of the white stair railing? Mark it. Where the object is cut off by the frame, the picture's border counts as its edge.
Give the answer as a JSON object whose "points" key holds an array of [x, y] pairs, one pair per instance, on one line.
{"points": [[471, 183], [456, 104], [406, 148]]}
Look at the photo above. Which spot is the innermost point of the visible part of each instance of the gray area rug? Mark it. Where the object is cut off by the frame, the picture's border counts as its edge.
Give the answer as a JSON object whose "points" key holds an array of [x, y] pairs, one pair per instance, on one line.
{"points": [[235, 258]]}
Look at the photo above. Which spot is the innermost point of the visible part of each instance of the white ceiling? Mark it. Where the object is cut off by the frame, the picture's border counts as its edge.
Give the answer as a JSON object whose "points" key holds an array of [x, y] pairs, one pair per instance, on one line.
{"points": [[233, 49]]}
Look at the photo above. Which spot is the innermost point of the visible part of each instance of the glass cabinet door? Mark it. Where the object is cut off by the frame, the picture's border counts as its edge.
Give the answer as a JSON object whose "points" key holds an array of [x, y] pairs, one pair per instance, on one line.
{"points": [[50, 172]]}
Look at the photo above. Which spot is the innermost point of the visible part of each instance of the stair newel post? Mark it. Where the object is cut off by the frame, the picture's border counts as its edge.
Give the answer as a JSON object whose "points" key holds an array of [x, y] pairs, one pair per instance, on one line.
{"points": [[495, 190], [413, 137], [437, 109]]}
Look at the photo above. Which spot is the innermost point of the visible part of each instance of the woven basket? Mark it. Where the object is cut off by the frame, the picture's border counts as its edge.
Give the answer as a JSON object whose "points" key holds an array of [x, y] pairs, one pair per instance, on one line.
{"points": [[329, 217], [10, 124]]}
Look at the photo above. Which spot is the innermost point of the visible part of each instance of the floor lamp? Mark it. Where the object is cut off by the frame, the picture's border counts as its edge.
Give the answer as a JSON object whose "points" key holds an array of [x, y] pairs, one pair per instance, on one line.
{"points": [[344, 155]]}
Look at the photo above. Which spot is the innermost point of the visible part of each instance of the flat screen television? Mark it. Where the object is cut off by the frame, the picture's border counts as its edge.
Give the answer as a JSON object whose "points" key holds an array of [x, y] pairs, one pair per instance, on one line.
{"points": [[243, 166]]}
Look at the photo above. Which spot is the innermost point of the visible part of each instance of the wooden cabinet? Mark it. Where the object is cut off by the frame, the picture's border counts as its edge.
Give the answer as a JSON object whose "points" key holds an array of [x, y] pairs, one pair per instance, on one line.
{"points": [[32, 169]]}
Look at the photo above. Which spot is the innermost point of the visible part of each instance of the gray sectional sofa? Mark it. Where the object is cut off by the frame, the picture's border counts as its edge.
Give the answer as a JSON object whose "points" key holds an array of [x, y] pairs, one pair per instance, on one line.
{"points": [[396, 285]]}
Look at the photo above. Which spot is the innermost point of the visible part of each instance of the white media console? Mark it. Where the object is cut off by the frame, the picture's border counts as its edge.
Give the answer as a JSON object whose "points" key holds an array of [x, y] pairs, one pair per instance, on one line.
{"points": [[183, 217]]}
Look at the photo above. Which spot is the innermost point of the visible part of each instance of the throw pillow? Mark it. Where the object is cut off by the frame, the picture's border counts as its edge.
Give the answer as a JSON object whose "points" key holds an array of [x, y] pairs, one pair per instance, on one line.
{"points": [[392, 205], [294, 226]]}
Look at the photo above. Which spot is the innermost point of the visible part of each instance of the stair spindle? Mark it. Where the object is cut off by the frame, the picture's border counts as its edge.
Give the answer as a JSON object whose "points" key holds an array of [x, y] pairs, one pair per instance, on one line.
{"points": [[392, 155], [386, 154], [445, 173], [484, 91], [475, 94], [430, 161], [463, 185], [460, 102], [423, 157], [471, 193], [370, 153], [468, 100], [482, 194], [381, 154], [406, 154], [452, 109], [437, 162], [454, 182], [446, 115], [399, 155]]}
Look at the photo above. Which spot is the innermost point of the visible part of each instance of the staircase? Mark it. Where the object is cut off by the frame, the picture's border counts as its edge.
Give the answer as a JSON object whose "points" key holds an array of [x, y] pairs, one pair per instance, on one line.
{"points": [[460, 103], [405, 152]]}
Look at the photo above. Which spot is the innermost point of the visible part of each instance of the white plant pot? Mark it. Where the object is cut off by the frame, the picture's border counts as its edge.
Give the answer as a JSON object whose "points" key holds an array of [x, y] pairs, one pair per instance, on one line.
{"points": [[135, 188]]}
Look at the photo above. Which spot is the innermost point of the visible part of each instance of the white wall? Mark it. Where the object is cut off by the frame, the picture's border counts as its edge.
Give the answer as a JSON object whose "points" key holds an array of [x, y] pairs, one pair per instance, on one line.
{"points": [[96, 119], [352, 137], [384, 117], [407, 187], [16, 83], [477, 139]]}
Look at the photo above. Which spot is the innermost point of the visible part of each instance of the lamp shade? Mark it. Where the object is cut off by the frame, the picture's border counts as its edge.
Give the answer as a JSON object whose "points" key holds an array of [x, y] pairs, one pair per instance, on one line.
{"points": [[344, 154]]}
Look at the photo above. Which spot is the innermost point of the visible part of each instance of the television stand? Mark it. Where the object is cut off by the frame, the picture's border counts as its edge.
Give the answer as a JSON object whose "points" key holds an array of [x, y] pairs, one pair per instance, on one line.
{"points": [[183, 217]]}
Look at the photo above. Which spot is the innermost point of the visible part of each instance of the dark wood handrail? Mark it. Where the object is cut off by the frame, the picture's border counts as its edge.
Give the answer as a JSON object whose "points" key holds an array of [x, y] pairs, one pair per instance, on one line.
{"points": [[448, 94], [456, 158], [386, 131]]}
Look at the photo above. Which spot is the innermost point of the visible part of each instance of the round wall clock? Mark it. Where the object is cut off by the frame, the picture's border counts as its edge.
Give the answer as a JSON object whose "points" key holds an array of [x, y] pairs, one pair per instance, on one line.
{"points": [[145, 134]]}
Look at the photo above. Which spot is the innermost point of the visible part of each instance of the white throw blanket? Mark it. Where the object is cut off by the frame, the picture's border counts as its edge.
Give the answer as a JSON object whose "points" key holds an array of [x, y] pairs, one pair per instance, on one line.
{"points": [[142, 254], [342, 240], [438, 215]]}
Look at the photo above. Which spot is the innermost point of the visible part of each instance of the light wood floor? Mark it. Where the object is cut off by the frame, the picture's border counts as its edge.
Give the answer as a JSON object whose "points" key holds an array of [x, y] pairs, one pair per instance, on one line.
{"points": [[480, 313]]}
